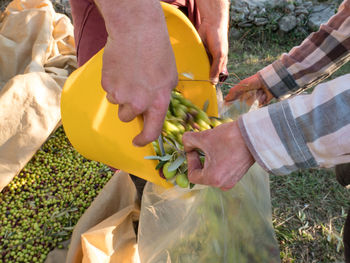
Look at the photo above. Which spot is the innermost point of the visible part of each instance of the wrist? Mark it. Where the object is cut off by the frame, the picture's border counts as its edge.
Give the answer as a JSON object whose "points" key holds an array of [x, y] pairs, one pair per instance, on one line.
{"points": [[249, 145], [265, 88], [120, 16]]}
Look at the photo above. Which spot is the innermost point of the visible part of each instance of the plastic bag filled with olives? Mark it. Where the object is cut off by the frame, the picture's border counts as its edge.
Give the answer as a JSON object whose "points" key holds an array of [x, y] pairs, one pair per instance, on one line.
{"points": [[204, 224], [181, 116]]}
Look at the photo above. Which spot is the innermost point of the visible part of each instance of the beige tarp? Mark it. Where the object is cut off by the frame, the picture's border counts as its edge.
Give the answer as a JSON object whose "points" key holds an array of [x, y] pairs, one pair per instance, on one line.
{"points": [[36, 55], [105, 232]]}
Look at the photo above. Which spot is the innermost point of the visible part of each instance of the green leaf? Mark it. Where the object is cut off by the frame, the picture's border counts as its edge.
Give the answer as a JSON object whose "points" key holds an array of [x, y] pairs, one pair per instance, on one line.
{"points": [[160, 144], [165, 158], [191, 185], [160, 164], [206, 105], [160, 158], [176, 164], [61, 234], [69, 228], [173, 143]]}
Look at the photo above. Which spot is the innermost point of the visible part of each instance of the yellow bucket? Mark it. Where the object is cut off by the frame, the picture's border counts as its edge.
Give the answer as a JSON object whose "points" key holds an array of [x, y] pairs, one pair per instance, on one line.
{"points": [[91, 123]]}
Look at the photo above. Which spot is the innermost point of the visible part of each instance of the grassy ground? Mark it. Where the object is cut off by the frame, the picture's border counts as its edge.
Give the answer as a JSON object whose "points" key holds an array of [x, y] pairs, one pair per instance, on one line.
{"points": [[309, 207]]}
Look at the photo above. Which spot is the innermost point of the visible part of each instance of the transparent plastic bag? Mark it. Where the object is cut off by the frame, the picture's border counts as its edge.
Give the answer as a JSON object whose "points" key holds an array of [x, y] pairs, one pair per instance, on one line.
{"points": [[205, 224]]}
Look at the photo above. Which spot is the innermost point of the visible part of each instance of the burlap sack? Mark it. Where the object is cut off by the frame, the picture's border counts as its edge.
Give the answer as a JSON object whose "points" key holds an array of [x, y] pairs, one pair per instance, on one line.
{"points": [[36, 55]]}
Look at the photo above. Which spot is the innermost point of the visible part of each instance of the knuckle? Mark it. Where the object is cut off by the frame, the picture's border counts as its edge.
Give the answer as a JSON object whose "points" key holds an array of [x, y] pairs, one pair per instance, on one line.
{"points": [[112, 98], [137, 108], [105, 83], [193, 179], [149, 137]]}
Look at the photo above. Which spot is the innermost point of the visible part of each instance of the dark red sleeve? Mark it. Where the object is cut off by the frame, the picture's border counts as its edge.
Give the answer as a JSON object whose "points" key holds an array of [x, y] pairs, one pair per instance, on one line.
{"points": [[89, 28]]}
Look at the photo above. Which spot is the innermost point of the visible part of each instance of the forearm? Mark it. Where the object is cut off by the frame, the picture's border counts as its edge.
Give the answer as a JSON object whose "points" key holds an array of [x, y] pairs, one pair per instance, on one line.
{"points": [[125, 16], [137, 52], [315, 59], [303, 132], [215, 12]]}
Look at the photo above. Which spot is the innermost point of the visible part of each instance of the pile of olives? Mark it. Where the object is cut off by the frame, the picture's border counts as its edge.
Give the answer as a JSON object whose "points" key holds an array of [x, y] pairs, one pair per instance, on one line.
{"points": [[42, 204]]}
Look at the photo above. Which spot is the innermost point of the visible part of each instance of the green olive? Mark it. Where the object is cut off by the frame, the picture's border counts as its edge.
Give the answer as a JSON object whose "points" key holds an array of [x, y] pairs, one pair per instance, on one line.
{"points": [[180, 113], [170, 127], [215, 122], [168, 174], [202, 116], [203, 125], [182, 181]]}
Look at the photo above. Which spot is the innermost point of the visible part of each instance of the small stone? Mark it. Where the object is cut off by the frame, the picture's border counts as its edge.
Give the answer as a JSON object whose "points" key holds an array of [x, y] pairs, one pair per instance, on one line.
{"points": [[261, 21], [237, 17], [308, 4], [235, 33], [252, 15], [320, 15], [243, 10], [274, 16], [239, 3], [280, 3], [262, 11], [287, 23], [245, 24], [301, 11], [289, 8], [301, 20]]}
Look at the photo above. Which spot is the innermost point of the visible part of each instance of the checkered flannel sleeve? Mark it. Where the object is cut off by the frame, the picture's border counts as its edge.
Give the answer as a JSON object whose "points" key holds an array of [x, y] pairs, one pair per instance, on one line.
{"points": [[302, 132], [322, 53]]}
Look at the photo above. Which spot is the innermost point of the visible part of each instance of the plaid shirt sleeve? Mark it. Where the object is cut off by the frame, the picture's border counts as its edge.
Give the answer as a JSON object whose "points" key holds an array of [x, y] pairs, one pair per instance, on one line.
{"points": [[322, 53], [305, 131]]}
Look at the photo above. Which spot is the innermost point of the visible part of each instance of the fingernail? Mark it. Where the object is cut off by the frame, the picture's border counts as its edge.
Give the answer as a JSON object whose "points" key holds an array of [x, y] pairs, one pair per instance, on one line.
{"points": [[134, 144], [223, 76], [214, 81]]}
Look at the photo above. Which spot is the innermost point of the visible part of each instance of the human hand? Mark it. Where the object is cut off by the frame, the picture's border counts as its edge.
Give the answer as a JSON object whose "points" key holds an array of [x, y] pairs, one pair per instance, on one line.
{"points": [[139, 69], [249, 90], [227, 157], [213, 31]]}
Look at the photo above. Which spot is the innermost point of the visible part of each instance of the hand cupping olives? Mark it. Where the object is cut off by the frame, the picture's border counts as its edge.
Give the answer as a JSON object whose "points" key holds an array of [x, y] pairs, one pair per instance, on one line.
{"points": [[182, 116]]}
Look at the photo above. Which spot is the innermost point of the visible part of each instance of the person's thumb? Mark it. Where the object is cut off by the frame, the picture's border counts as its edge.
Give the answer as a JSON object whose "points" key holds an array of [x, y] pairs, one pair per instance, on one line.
{"points": [[235, 92], [248, 84]]}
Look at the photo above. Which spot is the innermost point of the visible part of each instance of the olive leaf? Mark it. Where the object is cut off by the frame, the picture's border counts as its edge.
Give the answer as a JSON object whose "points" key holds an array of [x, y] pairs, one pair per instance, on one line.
{"points": [[173, 143], [177, 163], [61, 233], [160, 164], [206, 105], [160, 158], [69, 228], [161, 146]]}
